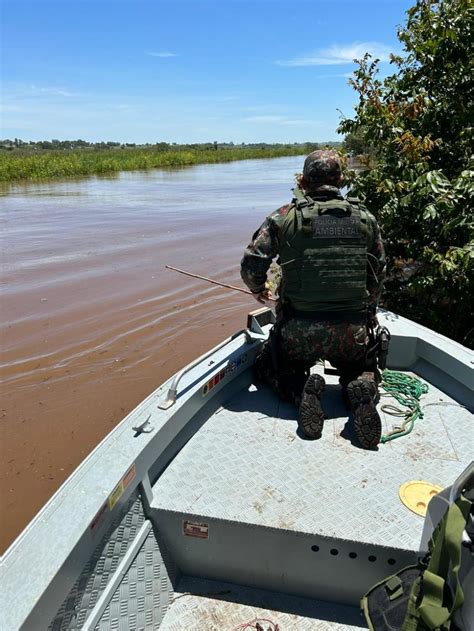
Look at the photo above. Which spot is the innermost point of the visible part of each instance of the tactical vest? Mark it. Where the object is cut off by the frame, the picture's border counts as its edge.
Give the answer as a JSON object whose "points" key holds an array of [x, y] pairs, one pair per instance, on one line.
{"points": [[323, 255]]}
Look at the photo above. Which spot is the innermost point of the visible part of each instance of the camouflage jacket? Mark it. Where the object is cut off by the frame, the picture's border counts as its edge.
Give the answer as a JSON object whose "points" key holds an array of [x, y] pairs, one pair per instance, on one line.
{"points": [[265, 246]]}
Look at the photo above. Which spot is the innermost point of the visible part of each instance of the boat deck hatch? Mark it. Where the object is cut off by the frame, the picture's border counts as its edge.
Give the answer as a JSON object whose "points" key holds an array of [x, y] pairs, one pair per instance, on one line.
{"points": [[265, 500]]}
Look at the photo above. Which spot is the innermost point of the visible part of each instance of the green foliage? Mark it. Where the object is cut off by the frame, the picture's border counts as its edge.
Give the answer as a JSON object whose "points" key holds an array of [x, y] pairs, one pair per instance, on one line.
{"points": [[417, 124]]}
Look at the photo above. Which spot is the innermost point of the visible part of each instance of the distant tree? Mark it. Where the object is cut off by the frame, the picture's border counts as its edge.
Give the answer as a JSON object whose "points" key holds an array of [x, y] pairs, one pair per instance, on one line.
{"points": [[355, 143]]}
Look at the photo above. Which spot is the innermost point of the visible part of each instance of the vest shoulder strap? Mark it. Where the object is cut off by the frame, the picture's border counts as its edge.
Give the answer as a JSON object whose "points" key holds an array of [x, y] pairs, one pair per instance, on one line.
{"points": [[353, 200], [299, 198], [357, 203], [445, 559]]}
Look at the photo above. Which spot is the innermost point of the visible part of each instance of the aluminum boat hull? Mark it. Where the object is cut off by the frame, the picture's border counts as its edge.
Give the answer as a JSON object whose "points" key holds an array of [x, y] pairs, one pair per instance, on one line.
{"points": [[210, 511]]}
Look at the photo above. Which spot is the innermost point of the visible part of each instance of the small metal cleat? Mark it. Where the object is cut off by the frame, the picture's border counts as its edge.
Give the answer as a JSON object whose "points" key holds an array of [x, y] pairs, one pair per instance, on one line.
{"points": [[140, 429]]}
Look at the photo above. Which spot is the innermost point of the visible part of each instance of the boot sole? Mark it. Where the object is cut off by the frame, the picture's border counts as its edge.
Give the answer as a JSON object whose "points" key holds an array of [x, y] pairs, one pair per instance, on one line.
{"points": [[367, 423], [358, 392], [314, 385], [311, 413]]}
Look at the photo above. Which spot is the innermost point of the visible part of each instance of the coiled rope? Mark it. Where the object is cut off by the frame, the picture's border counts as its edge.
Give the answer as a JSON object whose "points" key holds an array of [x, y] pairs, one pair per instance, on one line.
{"points": [[407, 391]]}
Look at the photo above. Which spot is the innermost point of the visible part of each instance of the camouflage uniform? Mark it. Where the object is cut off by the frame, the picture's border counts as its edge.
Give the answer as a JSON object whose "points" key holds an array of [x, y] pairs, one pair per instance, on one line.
{"points": [[298, 343]]}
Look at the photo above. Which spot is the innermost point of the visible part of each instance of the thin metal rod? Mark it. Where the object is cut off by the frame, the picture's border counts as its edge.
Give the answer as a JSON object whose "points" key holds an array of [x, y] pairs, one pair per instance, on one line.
{"points": [[214, 282]]}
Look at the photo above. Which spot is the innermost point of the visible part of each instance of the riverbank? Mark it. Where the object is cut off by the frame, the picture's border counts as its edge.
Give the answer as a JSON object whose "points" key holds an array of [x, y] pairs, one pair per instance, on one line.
{"points": [[17, 166]]}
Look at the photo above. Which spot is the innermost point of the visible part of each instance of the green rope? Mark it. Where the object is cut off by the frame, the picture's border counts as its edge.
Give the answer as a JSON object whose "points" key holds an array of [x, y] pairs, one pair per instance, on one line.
{"points": [[407, 391]]}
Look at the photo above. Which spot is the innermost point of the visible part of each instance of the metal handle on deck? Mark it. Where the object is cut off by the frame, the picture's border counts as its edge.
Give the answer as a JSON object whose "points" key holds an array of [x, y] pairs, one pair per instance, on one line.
{"points": [[465, 479], [173, 390]]}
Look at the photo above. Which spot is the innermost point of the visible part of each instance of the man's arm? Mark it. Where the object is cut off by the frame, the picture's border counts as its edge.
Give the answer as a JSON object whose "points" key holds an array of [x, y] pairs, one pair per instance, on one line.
{"points": [[375, 265], [258, 256]]}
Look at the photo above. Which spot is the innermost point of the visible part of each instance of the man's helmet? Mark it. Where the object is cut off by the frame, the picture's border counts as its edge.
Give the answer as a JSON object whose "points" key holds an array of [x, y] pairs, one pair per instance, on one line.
{"points": [[322, 167]]}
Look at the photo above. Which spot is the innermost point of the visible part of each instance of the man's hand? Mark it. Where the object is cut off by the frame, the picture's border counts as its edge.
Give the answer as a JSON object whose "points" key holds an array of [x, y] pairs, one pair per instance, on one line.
{"points": [[264, 296]]}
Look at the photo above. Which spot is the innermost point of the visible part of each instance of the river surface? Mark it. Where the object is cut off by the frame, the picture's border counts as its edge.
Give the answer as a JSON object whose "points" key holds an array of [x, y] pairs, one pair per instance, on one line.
{"points": [[91, 322]]}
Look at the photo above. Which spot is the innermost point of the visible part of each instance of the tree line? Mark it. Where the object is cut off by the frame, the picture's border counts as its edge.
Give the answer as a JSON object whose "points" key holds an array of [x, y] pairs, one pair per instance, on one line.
{"points": [[58, 145]]}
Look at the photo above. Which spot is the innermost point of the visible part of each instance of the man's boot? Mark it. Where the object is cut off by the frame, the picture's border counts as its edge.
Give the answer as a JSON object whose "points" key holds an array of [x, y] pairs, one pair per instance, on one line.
{"points": [[311, 413], [263, 368], [287, 385], [362, 395], [292, 385]]}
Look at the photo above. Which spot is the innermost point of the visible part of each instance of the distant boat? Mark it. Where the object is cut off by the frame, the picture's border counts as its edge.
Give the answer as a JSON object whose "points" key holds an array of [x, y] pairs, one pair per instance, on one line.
{"points": [[205, 510]]}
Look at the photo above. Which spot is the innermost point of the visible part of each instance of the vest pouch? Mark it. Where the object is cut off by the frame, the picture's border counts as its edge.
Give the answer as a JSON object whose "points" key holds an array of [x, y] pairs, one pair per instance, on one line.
{"points": [[437, 593], [327, 278], [385, 604]]}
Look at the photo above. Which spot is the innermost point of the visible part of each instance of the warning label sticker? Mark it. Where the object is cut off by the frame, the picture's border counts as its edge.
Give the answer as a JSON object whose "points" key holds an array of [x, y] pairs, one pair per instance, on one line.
{"points": [[195, 529], [229, 368], [121, 486], [115, 495]]}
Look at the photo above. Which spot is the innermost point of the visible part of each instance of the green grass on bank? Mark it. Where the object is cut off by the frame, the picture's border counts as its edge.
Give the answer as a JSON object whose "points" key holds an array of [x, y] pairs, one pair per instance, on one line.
{"points": [[48, 165]]}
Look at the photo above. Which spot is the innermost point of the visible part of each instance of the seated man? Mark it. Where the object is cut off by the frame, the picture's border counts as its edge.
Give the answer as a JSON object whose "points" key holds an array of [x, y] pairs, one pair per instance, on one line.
{"points": [[333, 264]]}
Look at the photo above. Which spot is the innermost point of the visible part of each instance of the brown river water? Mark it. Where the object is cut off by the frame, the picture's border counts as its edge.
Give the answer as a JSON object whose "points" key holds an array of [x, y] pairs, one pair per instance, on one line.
{"points": [[91, 322]]}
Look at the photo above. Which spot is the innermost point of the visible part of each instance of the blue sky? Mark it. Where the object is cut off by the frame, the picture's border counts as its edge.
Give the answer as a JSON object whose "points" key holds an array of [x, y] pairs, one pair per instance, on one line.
{"points": [[186, 70]]}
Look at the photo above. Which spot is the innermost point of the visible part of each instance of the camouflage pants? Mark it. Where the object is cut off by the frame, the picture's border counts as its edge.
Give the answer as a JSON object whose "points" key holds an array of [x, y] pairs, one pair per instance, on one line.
{"points": [[304, 342], [297, 344]]}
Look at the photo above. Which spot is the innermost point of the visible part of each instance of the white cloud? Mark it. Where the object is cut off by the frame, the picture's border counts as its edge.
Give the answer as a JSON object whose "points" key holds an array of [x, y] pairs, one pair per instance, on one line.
{"points": [[262, 119], [53, 91], [163, 55], [336, 54], [338, 75], [297, 122]]}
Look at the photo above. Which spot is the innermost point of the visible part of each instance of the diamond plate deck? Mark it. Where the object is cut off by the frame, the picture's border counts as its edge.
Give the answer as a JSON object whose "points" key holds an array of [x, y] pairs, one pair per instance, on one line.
{"points": [[248, 464], [98, 571], [202, 605], [142, 598]]}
